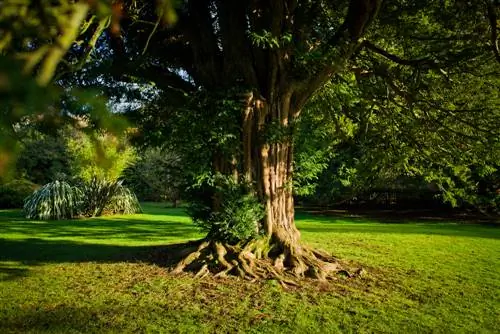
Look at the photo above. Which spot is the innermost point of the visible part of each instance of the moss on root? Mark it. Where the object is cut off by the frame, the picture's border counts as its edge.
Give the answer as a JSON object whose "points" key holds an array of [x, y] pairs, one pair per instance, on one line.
{"points": [[260, 259]]}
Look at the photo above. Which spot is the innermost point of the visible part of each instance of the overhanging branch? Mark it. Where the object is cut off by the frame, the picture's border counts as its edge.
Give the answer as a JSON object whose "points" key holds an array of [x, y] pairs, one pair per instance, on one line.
{"points": [[124, 69], [492, 17], [163, 78], [422, 62], [360, 15]]}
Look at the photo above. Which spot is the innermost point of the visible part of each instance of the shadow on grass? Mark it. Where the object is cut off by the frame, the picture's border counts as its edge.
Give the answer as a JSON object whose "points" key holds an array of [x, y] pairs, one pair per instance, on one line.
{"points": [[36, 251], [37, 242], [397, 224], [8, 273], [74, 319], [398, 216], [490, 232], [116, 228], [107, 239], [61, 319]]}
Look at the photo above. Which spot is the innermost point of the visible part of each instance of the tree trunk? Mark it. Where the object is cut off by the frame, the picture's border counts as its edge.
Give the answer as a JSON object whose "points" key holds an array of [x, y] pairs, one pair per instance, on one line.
{"points": [[274, 165], [274, 168], [266, 163]]}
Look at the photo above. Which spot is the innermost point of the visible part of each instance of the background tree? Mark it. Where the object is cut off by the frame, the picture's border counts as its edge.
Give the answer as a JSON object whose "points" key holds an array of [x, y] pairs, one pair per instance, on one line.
{"points": [[157, 175], [104, 156], [44, 159], [387, 146]]}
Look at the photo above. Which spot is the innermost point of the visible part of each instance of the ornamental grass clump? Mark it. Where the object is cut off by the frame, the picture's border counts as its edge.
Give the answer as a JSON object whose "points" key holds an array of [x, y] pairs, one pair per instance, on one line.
{"points": [[108, 197], [55, 200], [124, 202], [60, 200]]}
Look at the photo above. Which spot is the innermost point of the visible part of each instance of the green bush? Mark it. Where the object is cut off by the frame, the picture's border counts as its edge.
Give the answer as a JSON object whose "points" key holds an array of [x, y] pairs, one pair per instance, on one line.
{"points": [[102, 155], [97, 193], [102, 196], [237, 217], [123, 202], [44, 159], [12, 194], [55, 200]]}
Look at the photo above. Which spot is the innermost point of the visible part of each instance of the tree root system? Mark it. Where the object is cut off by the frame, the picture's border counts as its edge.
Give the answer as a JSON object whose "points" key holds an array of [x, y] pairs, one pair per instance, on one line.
{"points": [[258, 259]]}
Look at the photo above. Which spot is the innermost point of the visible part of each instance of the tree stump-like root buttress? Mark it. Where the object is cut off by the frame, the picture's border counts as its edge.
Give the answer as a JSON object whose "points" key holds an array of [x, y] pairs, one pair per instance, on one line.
{"points": [[259, 259]]}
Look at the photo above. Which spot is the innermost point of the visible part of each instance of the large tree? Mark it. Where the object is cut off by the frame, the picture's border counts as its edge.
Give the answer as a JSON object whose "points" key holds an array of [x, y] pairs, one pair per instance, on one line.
{"points": [[268, 58]]}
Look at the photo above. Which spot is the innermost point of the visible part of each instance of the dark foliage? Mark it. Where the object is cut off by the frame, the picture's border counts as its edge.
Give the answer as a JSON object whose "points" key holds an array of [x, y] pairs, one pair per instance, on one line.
{"points": [[238, 210], [44, 160], [12, 194]]}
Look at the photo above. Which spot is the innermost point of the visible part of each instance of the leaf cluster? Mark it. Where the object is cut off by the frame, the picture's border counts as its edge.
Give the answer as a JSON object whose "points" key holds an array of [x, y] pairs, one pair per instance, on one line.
{"points": [[237, 214]]}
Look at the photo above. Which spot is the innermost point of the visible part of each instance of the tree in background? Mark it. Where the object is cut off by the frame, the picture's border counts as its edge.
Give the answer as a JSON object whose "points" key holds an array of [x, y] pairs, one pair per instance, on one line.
{"points": [[367, 143], [102, 155], [156, 175], [44, 159]]}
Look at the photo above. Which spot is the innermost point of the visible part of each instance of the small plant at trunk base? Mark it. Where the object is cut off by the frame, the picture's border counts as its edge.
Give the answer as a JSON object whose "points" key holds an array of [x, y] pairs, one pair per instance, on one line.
{"points": [[238, 215], [236, 243], [123, 201], [55, 200]]}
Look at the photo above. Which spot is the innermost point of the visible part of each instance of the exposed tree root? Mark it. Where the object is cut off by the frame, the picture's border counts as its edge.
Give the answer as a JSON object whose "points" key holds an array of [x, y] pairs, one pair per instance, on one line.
{"points": [[260, 259]]}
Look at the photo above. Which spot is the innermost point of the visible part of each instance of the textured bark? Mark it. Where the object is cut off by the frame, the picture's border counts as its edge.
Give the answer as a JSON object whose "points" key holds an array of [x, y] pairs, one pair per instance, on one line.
{"points": [[279, 253], [224, 58]]}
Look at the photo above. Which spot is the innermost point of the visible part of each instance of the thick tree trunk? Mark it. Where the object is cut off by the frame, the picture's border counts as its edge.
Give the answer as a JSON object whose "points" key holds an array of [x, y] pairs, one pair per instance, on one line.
{"points": [[268, 157], [267, 164], [274, 167]]}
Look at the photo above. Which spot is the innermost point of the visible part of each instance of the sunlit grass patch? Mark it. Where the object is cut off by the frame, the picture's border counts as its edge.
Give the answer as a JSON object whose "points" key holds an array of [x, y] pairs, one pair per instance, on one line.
{"points": [[94, 275]]}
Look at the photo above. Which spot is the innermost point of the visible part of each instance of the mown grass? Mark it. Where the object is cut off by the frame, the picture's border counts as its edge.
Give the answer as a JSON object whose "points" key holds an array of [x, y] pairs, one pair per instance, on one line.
{"points": [[96, 276]]}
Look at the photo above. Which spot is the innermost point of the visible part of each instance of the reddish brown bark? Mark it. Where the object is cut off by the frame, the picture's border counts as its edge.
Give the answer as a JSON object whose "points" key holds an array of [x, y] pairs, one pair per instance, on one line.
{"points": [[275, 102]]}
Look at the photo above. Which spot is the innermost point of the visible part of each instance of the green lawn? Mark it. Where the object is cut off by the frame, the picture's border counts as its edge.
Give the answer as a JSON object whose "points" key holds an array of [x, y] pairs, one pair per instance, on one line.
{"points": [[103, 275]]}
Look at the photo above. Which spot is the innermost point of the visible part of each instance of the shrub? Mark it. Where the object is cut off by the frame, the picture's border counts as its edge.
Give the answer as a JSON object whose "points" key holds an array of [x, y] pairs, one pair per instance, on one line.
{"points": [[45, 159], [55, 200], [103, 196], [59, 200], [97, 193], [123, 202], [156, 176], [12, 194], [100, 155], [237, 216]]}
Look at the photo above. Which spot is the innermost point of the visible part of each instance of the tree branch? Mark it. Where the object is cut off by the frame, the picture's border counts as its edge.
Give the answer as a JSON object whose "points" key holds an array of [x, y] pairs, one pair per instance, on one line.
{"points": [[163, 78], [359, 16], [422, 62], [70, 32], [492, 16]]}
